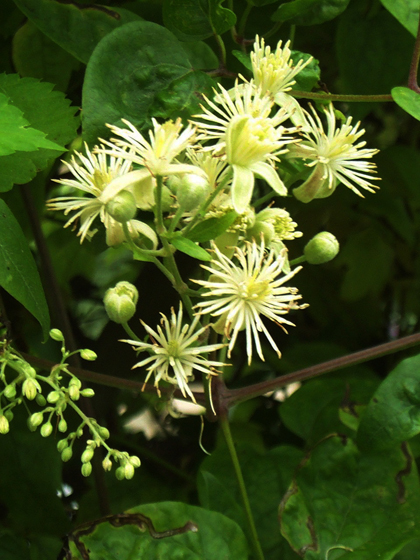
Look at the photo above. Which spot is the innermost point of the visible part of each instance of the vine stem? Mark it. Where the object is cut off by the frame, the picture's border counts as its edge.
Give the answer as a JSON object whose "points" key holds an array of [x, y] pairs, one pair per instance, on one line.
{"points": [[341, 97], [224, 424], [412, 77]]}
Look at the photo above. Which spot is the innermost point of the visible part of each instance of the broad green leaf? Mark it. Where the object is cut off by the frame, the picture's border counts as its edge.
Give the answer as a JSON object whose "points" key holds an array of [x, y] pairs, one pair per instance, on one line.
{"points": [[351, 505], [368, 259], [46, 110], [18, 273], [408, 100], [187, 19], [309, 12], [36, 56], [381, 64], [211, 228], [309, 76], [411, 551], [243, 58], [266, 475], [77, 28], [222, 19], [406, 12], [200, 55], [217, 538], [393, 415], [133, 74], [16, 134], [312, 412], [190, 248]]}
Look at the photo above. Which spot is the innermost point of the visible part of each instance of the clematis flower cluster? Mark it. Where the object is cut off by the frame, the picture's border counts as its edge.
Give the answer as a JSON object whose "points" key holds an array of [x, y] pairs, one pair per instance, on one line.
{"points": [[216, 189]]}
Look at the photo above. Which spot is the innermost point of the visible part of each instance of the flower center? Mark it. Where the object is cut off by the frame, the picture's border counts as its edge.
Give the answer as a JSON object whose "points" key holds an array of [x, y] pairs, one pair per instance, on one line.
{"points": [[253, 289]]}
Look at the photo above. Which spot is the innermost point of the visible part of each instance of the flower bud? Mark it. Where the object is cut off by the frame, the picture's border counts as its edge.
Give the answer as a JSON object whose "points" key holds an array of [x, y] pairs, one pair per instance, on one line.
{"points": [[107, 464], [9, 414], [61, 445], [76, 382], [104, 433], [10, 392], [128, 471], [88, 355], [87, 392], [86, 469], [87, 455], [191, 190], [66, 454], [122, 207], [40, 400], [4, 424], [36, 419], [322, 248], [30, 388], [46, 429], [74, 392], [56, 335], [120, 473], [120, 302], [53, 397], [62, 426], [135, 461]]}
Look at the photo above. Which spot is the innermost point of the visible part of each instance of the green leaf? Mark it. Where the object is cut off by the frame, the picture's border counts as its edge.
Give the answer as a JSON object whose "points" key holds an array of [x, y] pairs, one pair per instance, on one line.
{"points": [[190, 248], [18, 273], [222, 19], [77, 28], [351, 505], [200, 55], [45, 110], [15, 133], [187, 19], [309, 76], [211, 228], [243, 58], [368, 258], [266, 475], [36, 56], [217, 537], [406, 12], [309, 12], [132, 74], [393, 415], [408, 100], [312, 412]]}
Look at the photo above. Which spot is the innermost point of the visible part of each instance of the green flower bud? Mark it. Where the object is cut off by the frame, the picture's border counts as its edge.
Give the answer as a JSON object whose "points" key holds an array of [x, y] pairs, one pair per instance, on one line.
{"points": [[88, 355], [128, 471], [76, 382], [122, 207], [135, 461], [322, 248], [86, 469], [87, 392], [107, 464], [66, 454], [30, 388], [56, 335], [40, 400], [53, 397], [87, 455], [104, 433], [4, 424], [28, 370], [61, 445], [74, 392], [62, 426], [191, 190], [9, 414], [10, 392], [36, 419], [120, 473], [120, 302], [46, 429]]}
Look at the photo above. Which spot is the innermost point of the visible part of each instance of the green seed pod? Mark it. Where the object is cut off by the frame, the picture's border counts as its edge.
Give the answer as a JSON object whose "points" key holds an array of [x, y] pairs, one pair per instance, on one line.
{"points": [[322, 248], [86, 469], [120, 302], [66, 454], [40, 400], [122, 207]]}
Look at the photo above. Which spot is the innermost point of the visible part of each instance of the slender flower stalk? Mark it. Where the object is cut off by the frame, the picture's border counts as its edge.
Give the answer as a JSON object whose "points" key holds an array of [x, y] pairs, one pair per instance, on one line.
{"points": [[334, 156], [242, 292], [174, 352]]}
